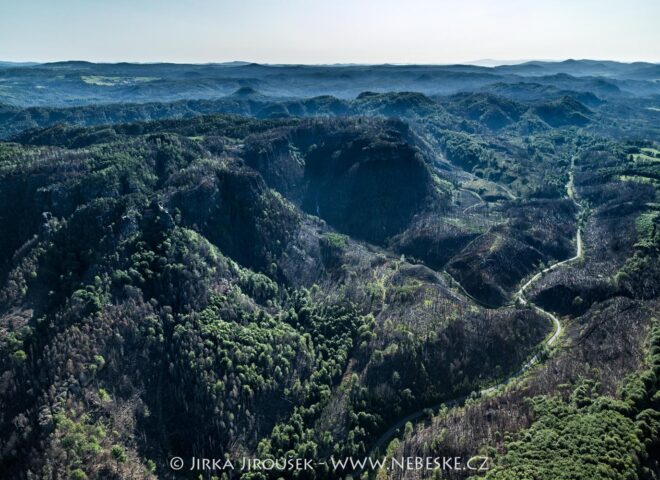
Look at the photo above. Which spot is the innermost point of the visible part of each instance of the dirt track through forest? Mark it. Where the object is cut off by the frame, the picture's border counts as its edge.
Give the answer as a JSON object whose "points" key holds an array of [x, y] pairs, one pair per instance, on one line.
{"points": [[394, 429]]}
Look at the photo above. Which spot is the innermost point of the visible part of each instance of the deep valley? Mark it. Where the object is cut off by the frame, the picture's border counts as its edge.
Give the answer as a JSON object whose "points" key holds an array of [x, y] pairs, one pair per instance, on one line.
{"points": [[270, 261]]}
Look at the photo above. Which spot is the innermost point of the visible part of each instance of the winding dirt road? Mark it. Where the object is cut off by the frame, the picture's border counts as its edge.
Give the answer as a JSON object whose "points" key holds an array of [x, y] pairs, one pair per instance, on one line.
{"points": [[394, 429]]}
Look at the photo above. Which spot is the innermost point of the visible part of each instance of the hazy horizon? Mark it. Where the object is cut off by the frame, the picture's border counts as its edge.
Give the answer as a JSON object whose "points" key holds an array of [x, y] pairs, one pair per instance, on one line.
{"points": [[346, 32], [486, 62]]}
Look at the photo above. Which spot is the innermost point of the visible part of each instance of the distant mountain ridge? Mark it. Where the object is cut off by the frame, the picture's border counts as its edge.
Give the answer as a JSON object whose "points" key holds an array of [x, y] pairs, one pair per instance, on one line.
{"points": [[70, 83]]}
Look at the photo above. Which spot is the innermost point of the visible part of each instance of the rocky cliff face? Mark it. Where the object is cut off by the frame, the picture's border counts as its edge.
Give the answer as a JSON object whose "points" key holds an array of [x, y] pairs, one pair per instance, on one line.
{"points": [[363, 178]]}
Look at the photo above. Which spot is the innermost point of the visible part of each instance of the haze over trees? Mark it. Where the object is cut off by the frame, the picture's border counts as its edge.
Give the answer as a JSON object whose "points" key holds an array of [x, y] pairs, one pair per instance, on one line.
{"points": [[250, 260]]}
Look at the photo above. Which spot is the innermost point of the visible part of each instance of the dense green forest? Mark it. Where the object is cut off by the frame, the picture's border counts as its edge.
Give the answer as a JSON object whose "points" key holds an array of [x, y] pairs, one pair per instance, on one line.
{"points": [[221, 267]]}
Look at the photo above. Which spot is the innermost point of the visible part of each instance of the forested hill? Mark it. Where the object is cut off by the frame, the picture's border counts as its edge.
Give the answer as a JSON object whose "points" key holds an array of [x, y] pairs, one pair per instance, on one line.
{"points": [[271, 273], [510, 110]]}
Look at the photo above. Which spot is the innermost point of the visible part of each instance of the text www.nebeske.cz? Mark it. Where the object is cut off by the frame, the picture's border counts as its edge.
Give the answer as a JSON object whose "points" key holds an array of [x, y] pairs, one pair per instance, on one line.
{"points": [[476, 463]]}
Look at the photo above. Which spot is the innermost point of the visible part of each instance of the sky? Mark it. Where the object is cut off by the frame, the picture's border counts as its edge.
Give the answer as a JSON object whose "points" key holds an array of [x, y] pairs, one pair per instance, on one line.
{"points": [[330, 31]]}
